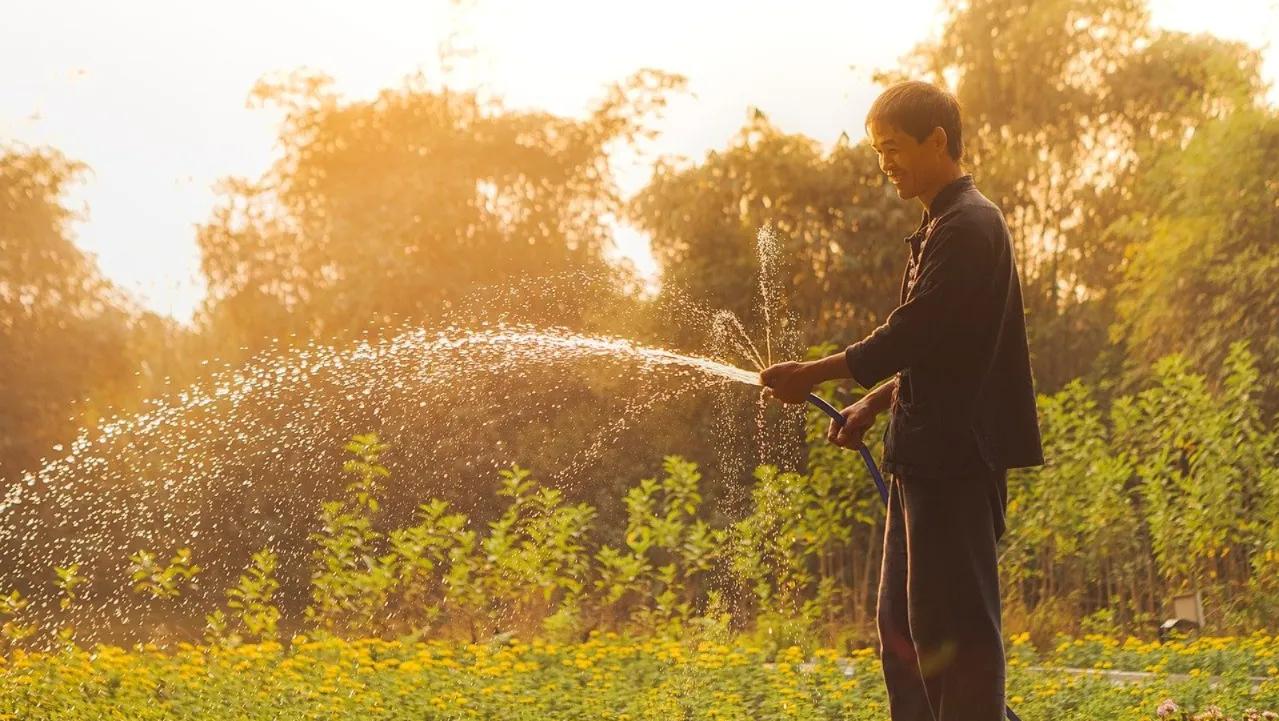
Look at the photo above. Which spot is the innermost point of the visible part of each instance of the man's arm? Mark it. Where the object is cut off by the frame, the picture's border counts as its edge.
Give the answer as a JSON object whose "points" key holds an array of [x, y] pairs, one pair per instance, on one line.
{"points": [[792, 382], [954, 265], [881, 399], [833, 367]]}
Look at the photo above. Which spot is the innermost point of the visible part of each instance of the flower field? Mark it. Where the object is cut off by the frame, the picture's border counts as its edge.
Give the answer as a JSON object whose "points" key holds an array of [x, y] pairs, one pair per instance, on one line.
{"points": [[609, 677]]}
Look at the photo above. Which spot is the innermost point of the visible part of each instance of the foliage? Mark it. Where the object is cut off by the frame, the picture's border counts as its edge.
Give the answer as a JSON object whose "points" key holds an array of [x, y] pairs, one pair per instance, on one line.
{"points": [[837, 218], [156, 580], [252, 599], [1161, 495], [1201, 277], [62, 325], [534, 557], [606, 676], [12, 607], [662, 572], [433, 567], [68, 579], [353, 577], [396, 209], [1155, 495]]}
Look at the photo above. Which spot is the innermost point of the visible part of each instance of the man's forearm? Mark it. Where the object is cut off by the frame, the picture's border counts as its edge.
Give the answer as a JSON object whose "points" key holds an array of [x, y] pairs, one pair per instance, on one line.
{"points": [[830, 368], [881, 398], [835, 366]]}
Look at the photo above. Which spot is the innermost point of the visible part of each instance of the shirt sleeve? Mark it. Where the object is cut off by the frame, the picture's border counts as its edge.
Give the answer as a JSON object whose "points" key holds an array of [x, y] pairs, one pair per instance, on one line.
{"points": [[955, 261]]}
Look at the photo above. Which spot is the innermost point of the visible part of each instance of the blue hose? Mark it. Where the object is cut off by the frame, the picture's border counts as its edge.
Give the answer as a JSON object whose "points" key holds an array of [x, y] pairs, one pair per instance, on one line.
{"points": [[838, 417]]}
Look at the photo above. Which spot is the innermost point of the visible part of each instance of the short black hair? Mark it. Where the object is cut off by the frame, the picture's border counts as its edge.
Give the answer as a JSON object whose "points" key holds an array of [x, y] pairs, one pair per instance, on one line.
{"points": [[916, 107]]}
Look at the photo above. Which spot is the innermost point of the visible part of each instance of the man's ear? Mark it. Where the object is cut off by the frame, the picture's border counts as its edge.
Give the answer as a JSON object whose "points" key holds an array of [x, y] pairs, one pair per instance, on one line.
{"points": [[937, 139]]}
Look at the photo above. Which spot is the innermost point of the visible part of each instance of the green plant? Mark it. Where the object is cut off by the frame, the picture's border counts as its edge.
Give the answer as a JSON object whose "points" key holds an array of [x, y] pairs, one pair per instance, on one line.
{"points": [[354, 577], [535, 558], [158, 580], [253, 598], [424, 556], [12, 607], [67, 578], [657, 579]]}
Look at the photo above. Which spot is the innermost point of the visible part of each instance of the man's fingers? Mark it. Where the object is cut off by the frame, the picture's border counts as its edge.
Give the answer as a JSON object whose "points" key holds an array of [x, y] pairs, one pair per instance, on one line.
{"points": [[839, 435], [850, 436], [832, 433], [784, 395]]}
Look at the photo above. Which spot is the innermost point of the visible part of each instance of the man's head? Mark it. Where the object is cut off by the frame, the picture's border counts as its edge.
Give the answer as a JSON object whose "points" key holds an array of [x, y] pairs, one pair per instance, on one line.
{"points": [[915, 129]]}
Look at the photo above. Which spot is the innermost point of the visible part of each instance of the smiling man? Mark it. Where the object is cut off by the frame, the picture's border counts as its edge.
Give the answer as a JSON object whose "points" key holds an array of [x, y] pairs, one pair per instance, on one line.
{"points": [[962, 400]]}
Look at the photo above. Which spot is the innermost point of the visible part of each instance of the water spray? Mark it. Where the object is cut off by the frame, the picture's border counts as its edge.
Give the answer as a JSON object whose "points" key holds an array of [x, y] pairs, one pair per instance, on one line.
{"points": [[839, 419]]}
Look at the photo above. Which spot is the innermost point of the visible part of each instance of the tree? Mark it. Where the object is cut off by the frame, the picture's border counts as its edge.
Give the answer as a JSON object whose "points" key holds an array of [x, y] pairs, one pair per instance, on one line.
{"points": [[63, 327], [1205, 250], [840, 227], [398, 209]]}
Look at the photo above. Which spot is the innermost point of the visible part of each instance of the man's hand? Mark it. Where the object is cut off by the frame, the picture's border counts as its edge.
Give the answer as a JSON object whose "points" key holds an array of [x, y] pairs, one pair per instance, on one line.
{"points": [[791, 382], [858, 418], [788, 382]]}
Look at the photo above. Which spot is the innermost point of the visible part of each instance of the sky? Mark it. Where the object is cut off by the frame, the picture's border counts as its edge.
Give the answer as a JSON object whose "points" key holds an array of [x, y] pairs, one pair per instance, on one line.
{"points": [[151, 95]]}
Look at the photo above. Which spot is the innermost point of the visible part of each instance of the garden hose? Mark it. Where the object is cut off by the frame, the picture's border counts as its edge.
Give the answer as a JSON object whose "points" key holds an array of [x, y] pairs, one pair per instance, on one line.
{"points": [[838, 417]]}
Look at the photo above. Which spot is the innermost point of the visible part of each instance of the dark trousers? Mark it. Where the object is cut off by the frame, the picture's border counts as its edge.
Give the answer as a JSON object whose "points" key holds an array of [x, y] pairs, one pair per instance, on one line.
{"points": [[938, 613]]}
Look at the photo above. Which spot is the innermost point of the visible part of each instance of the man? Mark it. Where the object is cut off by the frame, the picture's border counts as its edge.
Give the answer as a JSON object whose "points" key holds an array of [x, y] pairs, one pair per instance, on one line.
{"points": [[963, 412]]}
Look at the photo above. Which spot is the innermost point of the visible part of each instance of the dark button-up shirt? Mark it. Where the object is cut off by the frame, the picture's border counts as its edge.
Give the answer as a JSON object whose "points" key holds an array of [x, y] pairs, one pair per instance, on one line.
{"points": [[965, 397]]}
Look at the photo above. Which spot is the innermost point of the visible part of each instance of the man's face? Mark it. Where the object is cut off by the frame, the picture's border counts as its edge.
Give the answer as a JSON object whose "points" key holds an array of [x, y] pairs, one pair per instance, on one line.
{"points": [[909, 164]]}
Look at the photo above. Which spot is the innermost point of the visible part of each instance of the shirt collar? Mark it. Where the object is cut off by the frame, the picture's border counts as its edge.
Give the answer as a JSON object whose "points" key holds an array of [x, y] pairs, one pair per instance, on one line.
{"points": [[943, 200]]}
